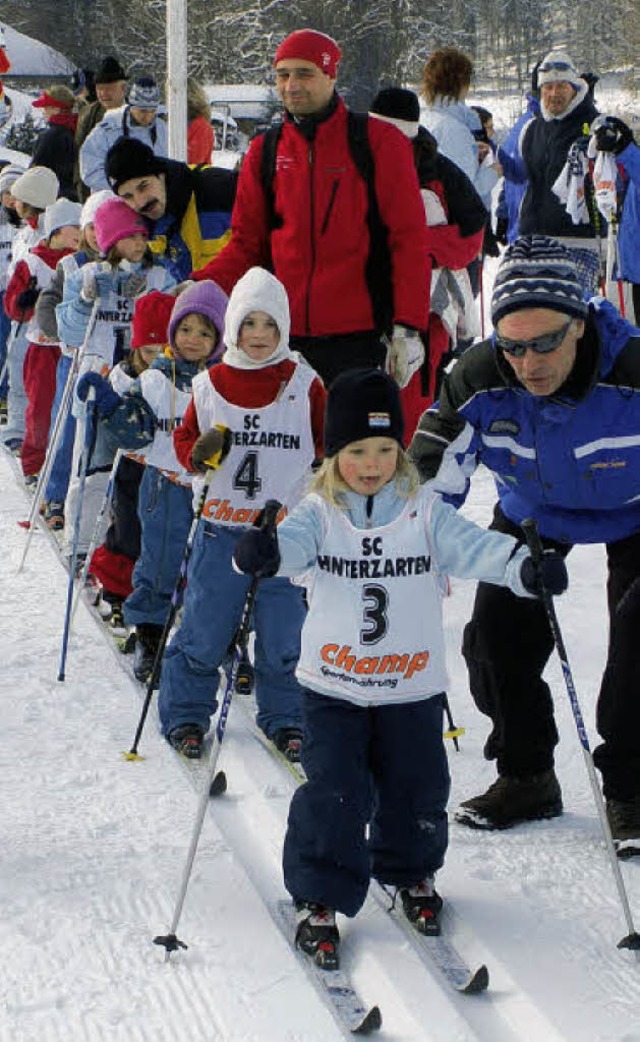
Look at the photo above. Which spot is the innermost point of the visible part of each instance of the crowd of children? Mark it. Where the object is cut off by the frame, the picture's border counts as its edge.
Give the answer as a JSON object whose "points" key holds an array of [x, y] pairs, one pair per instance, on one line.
{"points": [[193, 402]]}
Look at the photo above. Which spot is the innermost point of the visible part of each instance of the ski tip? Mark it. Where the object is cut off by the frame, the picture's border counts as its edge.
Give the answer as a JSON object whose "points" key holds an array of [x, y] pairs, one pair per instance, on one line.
{"points": [[371, 1022], [477, 983], [132, 756], [24, 524], [219, 784], [632, 941]]}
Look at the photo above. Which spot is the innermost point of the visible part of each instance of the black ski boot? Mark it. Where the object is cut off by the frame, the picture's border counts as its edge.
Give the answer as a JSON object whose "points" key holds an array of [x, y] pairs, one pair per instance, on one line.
{"points": [[510, 801], [188, 740], [244, 676], [624, 821], [288, 741], [147, 640], [422, 906], [317, 934]]}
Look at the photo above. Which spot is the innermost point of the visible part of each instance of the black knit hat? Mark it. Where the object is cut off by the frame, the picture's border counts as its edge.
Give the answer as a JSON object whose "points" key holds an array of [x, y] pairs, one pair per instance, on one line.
{"points": [[538, 272], [397, 103], [130, 158], [362, 403], [110, 71]]}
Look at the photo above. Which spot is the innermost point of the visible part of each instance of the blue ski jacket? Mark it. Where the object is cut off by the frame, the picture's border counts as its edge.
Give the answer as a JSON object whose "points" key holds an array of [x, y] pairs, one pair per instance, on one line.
{"points": [[570, 460]]}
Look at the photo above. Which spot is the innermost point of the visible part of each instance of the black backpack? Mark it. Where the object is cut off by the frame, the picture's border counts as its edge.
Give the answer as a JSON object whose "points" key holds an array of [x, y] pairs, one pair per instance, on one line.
{"points": [[378, 266]]}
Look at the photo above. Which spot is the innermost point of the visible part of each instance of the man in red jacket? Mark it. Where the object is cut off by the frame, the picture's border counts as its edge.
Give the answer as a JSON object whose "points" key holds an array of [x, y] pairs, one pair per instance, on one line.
{"points": [[316, 231]]}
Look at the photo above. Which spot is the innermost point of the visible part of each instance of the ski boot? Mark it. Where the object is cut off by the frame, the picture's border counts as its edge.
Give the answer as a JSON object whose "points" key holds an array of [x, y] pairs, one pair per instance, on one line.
{"points": [[624, 821], [317, 934], [54, 515], [147, 640], [244, 675], [422, 906], [188, 740], [288, 741]]}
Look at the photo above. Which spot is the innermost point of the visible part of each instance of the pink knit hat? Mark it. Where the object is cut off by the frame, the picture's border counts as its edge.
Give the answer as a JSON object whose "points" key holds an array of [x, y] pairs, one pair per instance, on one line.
{"points": [[115, 220]]}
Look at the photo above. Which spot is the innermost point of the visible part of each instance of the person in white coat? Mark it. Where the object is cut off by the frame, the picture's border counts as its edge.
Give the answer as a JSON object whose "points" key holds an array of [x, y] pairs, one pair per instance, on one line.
{"points": [[137, 119]]}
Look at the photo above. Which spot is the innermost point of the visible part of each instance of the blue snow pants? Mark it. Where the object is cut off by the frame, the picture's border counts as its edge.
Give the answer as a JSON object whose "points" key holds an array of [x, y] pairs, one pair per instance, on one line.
{"points": [[214, 600], [5, 329], [165, 513], [385, 766], [60, 473]]}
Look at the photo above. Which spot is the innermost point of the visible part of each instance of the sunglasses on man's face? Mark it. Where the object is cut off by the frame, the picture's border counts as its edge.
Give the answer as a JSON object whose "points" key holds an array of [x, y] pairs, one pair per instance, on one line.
{"points": [[542, 345]]}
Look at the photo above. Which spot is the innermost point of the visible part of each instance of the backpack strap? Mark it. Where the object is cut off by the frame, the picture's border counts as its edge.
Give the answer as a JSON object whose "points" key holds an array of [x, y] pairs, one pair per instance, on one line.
{"points": [[270, 140]]}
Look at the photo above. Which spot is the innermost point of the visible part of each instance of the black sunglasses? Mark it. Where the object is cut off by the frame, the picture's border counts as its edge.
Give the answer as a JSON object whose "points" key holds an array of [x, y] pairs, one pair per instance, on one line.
{"points": [[542, 345]]}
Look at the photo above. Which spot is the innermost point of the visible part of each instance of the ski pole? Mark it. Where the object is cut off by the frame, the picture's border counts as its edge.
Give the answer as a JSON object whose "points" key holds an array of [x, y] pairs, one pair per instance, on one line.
{"points": [[65, 405], [104, 506], [176, 601], [481, 282], [52, 448], [84, 460], [215, 784], [632, 940], [452, 731]]}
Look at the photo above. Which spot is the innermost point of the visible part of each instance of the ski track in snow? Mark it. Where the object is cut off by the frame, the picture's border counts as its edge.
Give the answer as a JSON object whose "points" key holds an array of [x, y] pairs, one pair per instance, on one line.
{"points": [[94, 847]]}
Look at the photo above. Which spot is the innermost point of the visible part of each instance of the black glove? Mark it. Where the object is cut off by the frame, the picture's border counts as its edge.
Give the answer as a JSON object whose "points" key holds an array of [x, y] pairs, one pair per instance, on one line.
{"points": [[27, 299], [611, 134], [211, 448], [257, 552], [502, 227], [490, 245], [550, 572]]}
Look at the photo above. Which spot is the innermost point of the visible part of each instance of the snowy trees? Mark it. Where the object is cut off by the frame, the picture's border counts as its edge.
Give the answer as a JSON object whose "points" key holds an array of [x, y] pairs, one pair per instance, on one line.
{"points": [[385, 41]]}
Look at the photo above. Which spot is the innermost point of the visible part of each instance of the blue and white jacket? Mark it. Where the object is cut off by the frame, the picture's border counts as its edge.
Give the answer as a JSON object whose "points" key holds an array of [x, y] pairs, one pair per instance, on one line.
{"points": [[570, 460], [113, 126]]}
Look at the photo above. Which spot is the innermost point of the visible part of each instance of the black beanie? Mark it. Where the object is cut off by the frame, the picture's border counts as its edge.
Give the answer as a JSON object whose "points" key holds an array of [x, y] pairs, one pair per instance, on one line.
{"points": [[130, 158], [110, 71], [362, 403], [396, 103]]}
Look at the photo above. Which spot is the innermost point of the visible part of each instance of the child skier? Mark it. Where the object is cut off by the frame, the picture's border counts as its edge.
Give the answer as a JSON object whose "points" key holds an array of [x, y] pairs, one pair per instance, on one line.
{"points": [[9, 225], [104, 292], [144, 421], [372, 664], [113, 562], [32, 192], [273, 404], [58, 483], [61, 226]]}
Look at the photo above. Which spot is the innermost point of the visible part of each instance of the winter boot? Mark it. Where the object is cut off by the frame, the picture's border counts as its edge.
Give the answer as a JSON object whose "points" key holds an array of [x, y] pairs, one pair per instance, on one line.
{"points": [[422, 906], [244, 675], [54, 515], [115, 622], [317, 934], [624, 822], [147, 640], [510, 801], [288, 741], [187, 739]]}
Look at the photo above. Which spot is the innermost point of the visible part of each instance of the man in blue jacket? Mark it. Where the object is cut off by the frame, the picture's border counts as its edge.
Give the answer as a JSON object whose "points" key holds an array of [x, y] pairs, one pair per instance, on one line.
{"points": [[551, 405]]}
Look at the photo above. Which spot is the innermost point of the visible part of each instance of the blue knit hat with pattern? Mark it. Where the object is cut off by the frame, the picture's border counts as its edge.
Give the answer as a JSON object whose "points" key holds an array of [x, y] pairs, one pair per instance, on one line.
{"points": [[538, 272]]}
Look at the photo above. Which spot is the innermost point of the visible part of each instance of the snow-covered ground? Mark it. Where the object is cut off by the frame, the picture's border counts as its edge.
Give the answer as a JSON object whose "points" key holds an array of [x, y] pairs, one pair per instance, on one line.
{"points": [[93, 849]]}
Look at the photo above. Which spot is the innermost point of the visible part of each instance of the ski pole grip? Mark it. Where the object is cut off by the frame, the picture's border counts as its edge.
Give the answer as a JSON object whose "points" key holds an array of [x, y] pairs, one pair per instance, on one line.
{"points": [[270, 515], [530, 529]]}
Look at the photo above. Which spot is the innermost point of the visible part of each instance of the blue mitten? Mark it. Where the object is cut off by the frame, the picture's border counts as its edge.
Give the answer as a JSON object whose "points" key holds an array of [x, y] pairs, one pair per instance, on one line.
{"points": [[106, 399]]}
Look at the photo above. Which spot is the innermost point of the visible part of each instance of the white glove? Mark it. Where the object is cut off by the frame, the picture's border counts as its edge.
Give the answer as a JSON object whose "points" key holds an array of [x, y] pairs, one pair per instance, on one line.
{"points": [[405, 354], [175, 291], [95, 283]]}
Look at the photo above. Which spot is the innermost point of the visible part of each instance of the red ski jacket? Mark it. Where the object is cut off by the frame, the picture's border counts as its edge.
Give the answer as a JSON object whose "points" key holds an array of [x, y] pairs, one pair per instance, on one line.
{"points": [[320, 243]]}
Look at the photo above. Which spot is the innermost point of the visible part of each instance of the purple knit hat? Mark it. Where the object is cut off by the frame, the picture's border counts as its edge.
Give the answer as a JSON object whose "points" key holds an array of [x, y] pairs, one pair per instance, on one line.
{"points": [[204, 298]]}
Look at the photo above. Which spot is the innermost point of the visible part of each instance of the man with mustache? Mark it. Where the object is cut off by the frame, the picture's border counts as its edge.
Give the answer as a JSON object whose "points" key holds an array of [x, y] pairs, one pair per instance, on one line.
{"points": [[188, 208]]}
